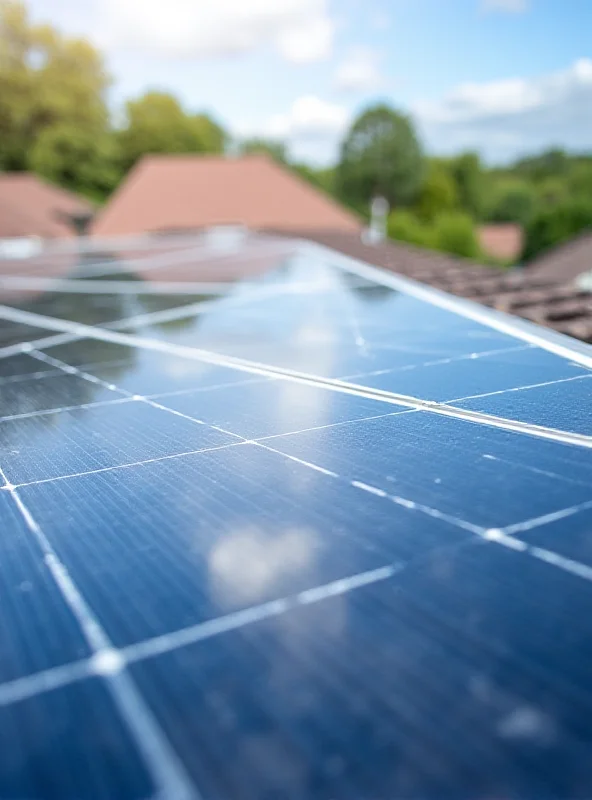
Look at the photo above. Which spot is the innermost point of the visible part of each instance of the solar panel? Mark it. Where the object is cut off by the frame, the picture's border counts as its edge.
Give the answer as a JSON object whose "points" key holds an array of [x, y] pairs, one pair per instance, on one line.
{"points": [[278, 524]]}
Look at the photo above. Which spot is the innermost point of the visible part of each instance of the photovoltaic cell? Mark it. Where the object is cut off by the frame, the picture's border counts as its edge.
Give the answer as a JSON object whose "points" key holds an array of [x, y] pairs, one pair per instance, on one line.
{"points": [[278, 525]]}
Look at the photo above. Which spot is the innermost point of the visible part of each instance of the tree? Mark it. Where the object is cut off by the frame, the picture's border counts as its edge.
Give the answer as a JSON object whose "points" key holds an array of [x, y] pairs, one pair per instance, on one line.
{"points": [[579, 182], [406, 227], [213, 137], [552, 192], [513, 201], [454, 232], [157, 123], [76, 159], [52, 98], [438, 192], [552, 163], [380, 155], [470, 183], [268, 147], [553, 226], [323, 178], [17, 89]]}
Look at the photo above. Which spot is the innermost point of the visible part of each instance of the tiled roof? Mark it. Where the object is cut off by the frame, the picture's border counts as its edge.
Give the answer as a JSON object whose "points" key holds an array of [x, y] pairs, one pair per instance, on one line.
{"points": [[190, 192], [566, 261], [31, 207], [501, 240], [524, 292]]}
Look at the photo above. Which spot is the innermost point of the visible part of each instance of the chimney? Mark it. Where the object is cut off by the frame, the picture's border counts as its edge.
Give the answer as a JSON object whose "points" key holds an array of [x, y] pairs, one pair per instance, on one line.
{"points": [[376, 232]]}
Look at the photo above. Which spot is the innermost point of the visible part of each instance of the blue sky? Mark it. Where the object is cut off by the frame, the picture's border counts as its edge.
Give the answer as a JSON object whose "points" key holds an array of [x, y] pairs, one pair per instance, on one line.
{"points": [[502, 76]]}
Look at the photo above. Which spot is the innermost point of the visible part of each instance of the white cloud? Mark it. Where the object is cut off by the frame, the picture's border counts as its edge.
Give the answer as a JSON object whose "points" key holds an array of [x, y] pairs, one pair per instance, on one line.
{"points": [[359, 72], [300, 30], [308, 118], [310, 41], [311, 127], [514, 115], [509, 6]]}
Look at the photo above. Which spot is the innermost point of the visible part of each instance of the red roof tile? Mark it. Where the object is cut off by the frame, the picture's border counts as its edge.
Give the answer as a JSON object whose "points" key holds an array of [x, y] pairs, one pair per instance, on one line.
{"points": [[31, 207], [189, 192], [503, 241]]}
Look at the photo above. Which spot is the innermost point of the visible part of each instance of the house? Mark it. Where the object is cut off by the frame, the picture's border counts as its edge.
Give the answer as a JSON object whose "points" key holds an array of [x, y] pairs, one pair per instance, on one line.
{"points": [[173, 193], [503, 241], [570, 261], [29, 206]]}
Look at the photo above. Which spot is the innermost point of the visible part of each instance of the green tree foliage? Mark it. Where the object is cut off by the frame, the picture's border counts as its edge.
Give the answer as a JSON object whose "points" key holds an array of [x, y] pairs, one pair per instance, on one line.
{"points": [[471, 183], [18, 91], [450, 231], [454, 232], [514, 200], [52, 99], [380, 155], [269, 147], [78, 160], [407, 227], [553, 163], [157, 123], [579, 181], [552, 226], [214, 138], [438, 191], [321, 178]]}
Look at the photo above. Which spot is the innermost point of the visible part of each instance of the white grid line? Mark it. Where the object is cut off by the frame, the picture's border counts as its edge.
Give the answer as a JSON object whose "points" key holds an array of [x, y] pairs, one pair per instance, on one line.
{"points": [[160, 760], [187, 255], [546, 519], [47, 680], [519, 388], [166, 315], [84, 286], [247, 381], [401, 501], [37, 375], [472, 356], [47, 411], [405, 502], [245, 365], [517, 329], [9, 379], [528, 468], [502, 537], [126, 466]]}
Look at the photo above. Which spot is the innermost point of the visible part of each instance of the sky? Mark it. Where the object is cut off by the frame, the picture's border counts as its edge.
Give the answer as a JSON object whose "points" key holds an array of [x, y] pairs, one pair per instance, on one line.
{"points": [[504, 77]]}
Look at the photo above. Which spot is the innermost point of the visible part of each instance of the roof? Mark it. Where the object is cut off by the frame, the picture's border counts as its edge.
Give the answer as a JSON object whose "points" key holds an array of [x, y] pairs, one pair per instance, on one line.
{"points": [[566, 261], [526, 293], [176, 192], [31, 207], [503, 241]]}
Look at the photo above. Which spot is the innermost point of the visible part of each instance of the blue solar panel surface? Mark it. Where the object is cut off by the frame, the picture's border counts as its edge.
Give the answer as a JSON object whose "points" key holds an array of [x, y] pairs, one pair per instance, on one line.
{"points": [[277, 526]]}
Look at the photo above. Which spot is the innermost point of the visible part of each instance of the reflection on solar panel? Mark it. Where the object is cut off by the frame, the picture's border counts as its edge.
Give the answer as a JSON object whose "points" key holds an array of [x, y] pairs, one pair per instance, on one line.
{"points": [[276, 524]]}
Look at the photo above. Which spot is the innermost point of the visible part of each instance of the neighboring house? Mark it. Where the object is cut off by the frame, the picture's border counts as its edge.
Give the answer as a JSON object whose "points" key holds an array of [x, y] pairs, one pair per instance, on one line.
{"points": [[503, 241], [174, 193], [570, 261], [31, 207]]}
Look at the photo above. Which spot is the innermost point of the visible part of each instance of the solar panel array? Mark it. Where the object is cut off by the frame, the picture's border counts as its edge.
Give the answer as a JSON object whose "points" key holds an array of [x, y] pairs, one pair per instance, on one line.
{"points": [[276, 525]]}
